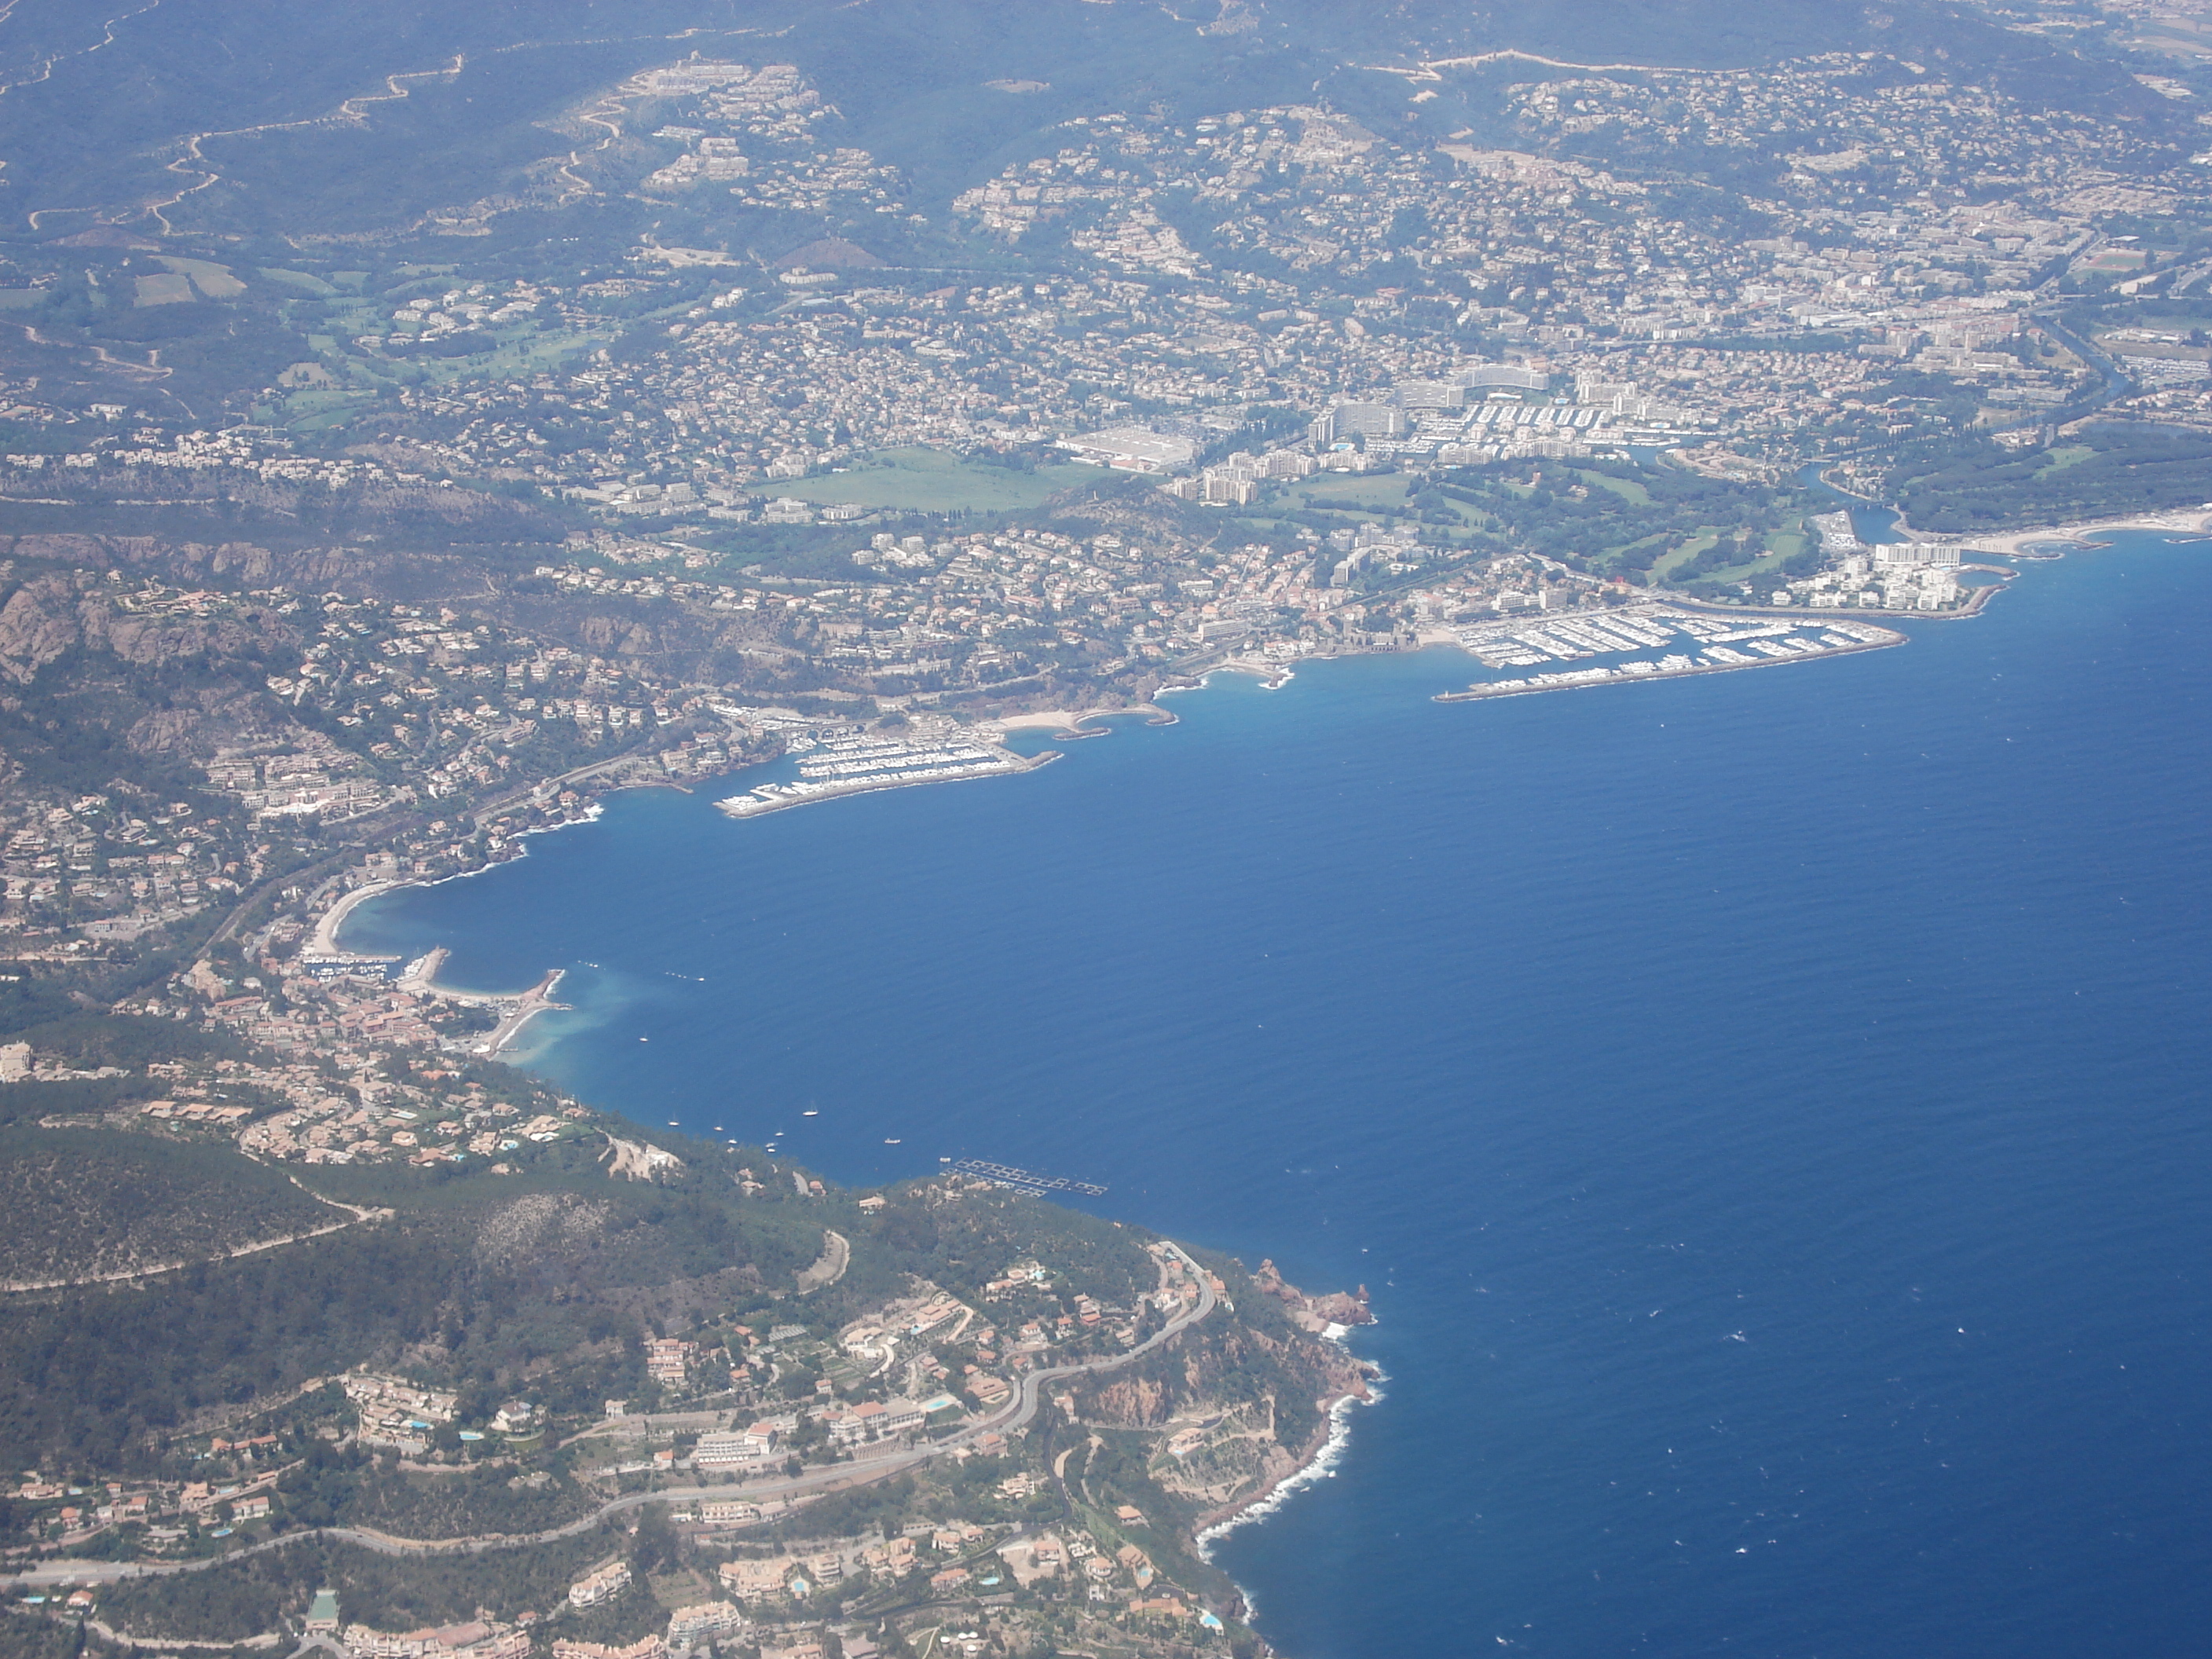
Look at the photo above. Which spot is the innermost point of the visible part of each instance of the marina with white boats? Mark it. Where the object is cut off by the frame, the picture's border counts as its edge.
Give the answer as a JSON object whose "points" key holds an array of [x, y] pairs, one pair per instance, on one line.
{"points": [[1645, 642], [1692, 643], [853, 763]]}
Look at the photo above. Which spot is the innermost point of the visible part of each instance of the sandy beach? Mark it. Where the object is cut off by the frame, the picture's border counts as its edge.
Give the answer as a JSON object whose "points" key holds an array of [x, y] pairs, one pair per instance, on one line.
{"points": [[2011, 543], [325, 940], [516, 1009], [1069, 723]]}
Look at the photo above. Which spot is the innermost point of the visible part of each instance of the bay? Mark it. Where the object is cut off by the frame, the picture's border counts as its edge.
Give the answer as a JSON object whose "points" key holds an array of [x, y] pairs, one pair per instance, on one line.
{"points": [[1770, 1109]]}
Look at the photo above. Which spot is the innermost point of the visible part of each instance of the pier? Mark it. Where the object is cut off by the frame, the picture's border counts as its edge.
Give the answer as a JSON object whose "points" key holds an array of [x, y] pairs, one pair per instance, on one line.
{"points": [[534, 1001], [851, 765], [1027, 1181], [1721, 644]]}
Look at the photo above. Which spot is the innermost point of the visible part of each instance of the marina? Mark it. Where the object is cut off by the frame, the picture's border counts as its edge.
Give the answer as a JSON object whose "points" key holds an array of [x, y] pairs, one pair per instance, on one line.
{"points": [[1702, 645], [854, 763]]}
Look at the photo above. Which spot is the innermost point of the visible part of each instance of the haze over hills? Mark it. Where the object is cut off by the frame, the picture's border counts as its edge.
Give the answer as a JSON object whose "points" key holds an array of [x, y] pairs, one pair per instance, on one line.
{"points": [[98, 124]]}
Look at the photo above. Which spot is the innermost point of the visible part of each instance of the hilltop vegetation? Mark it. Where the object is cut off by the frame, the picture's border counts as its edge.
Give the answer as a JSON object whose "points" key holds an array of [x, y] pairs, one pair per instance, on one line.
{"points": [[375, 1589], [540, 1330], [489, 1279], [2100, 471], [546, 1283], [82, 1203]]}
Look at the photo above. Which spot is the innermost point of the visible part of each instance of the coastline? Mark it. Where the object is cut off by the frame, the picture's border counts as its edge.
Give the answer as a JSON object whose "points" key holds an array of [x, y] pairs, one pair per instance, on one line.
{"points": [[1318, 1463], [2015, 544], [1329, 1445], [1981, 597], [519, 1008], [1272, 674], [323, 941], [537, 1000], [1068, 725]]}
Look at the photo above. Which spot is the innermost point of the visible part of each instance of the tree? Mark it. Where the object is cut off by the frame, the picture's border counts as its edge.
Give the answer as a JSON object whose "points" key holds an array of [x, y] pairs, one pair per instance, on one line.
{"points": [[654, 1543]]}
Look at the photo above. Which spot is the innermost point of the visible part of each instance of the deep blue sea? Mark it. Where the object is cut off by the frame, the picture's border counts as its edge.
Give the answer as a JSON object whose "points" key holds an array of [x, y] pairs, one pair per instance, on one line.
{"points": [[1772, 1110]]}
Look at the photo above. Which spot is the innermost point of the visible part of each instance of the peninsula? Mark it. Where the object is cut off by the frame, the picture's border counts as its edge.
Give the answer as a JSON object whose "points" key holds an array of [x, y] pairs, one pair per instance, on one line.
{"points": [[1031, 1427]]}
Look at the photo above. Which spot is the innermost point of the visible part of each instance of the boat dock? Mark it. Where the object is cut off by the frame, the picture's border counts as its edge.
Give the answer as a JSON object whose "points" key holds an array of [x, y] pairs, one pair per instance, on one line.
{"points": [[1706, 645], [853, 764], [1025, 1181]]}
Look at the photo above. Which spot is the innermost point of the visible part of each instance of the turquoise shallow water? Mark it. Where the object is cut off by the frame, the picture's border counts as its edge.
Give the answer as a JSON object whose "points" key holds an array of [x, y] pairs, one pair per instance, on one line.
{"points": [[1770, 1109]]}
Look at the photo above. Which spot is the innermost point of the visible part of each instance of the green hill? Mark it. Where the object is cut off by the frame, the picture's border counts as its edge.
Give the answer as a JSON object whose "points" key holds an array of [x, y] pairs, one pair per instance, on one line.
{"points": [[80, 1204]]}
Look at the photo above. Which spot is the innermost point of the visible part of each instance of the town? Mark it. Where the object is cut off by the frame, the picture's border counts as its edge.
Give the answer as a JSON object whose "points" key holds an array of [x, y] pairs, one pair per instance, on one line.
{"points": [[723, 1498], [716, 451]]}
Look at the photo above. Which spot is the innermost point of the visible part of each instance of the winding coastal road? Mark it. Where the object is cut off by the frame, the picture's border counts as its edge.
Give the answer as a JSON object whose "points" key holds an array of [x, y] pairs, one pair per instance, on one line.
{"points": [[860, 1472]]}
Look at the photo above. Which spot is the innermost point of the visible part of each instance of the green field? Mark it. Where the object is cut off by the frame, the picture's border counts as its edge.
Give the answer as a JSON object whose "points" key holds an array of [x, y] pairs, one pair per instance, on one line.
{"points": [[1627, 488], [1669, 562], [2066, 455], [1354, 494], [521, 351], [212, 280], [1779, 546], [930, 481], [318, 408], [1347, 492], [1765, 566], [511, 352], [302, 280]]}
